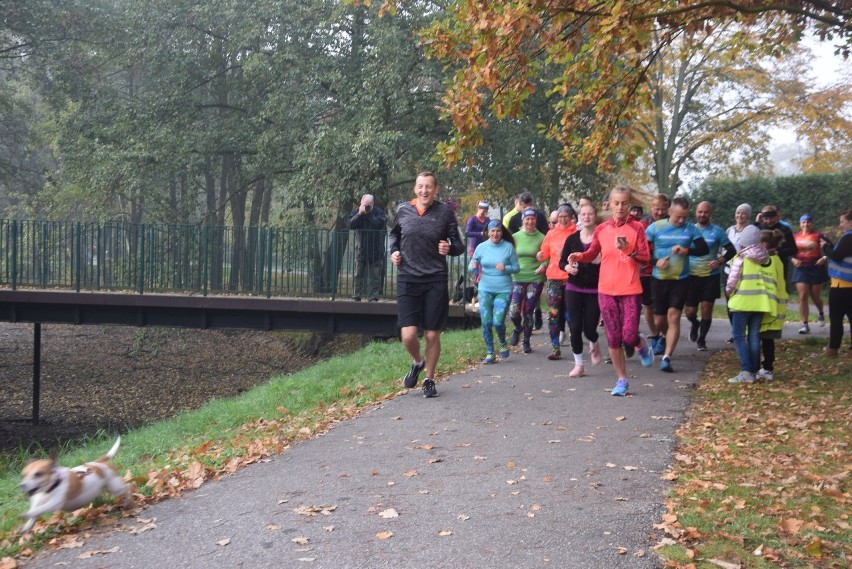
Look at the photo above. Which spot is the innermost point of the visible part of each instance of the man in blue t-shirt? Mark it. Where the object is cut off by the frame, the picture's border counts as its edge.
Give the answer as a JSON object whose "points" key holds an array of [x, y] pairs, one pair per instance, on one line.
{"points": [[674, 240], [704, 274]]}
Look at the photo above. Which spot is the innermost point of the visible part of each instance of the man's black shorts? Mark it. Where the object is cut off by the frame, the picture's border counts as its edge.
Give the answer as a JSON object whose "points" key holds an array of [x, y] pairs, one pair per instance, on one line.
{"points": [[647, 295], [702, 289], [668, 294], [422, 304]]}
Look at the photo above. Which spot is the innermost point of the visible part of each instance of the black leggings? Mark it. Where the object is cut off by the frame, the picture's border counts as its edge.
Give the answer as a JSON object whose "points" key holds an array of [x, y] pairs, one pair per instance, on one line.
{"points": [[839, 305], [767, 345], [584, 313]]}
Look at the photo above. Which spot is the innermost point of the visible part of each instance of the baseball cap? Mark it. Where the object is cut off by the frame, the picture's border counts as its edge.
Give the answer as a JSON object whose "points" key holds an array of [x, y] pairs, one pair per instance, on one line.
{"points": [[527, 213], [805, 217]]}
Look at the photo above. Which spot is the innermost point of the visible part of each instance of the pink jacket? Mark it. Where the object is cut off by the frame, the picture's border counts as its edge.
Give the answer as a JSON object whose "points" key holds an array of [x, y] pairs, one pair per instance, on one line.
{"points": [[756, 253]]}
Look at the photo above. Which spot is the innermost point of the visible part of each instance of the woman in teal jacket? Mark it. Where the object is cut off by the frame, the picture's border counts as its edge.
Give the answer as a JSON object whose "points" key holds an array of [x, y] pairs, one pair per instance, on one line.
{"points": [[496, 261]]}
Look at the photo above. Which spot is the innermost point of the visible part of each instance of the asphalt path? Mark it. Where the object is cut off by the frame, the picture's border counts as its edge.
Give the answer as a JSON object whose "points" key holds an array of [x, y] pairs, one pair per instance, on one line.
{"points": [[513, 465]]}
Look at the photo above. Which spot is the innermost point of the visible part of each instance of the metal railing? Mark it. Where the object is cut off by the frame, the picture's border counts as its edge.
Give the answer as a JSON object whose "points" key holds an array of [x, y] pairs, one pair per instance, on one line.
{"points": [[190, 259]]}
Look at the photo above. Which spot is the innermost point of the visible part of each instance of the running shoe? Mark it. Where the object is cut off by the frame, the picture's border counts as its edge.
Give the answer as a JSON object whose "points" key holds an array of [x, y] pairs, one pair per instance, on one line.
{"points": [[646, 353], [412, 375], [578, 371], [489, 359], [659, 345], [516, 337], [666, 365], [504, 351], [620, 389], [595, 353], [805, 329], [765, 375], [555, 354], [743, 377], [821, 321], [693, 331], [702, 346], [527, 348], [429, 388]]}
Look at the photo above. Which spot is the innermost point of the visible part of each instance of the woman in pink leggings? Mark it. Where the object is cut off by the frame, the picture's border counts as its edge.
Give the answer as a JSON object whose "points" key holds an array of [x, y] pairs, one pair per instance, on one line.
{"points": [[623, 247]]}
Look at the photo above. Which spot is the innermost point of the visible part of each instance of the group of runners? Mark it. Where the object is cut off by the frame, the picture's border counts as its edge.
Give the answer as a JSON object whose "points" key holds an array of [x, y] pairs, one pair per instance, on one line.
{"points": [[590, 273]]}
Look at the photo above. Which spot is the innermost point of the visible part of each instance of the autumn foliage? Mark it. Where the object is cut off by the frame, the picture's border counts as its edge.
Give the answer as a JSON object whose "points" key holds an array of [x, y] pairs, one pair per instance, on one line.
{"points": [[594, 55], [762, 471]]}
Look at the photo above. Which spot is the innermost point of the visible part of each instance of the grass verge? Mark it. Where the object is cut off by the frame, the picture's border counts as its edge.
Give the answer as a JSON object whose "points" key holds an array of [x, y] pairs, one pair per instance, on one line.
{"points": [[762, 471], [182, 453]]}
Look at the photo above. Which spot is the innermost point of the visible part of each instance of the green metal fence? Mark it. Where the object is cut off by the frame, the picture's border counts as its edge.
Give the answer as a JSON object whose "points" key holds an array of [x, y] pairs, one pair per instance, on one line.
{"points": [[162, 258]]}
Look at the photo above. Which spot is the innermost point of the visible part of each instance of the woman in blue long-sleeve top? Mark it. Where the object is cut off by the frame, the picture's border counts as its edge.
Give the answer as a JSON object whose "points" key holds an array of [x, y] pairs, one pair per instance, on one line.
{"points": [[496, 261]]}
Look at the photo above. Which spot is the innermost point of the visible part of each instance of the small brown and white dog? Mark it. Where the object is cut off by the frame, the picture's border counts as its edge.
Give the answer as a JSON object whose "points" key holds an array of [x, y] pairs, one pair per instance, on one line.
{"points": [[53, 488]]}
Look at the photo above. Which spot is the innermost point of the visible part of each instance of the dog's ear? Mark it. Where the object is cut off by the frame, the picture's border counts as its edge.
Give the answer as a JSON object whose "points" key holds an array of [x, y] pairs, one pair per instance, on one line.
{"points": [[54, 454]]}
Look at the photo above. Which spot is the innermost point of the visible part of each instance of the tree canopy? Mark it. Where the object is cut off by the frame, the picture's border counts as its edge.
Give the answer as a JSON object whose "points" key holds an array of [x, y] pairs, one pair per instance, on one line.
{"points": [[604, 51]]}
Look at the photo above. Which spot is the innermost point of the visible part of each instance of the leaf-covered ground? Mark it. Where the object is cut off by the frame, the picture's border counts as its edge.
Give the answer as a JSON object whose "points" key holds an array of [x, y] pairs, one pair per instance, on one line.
{"points": [[763, 470], [119, 377]]}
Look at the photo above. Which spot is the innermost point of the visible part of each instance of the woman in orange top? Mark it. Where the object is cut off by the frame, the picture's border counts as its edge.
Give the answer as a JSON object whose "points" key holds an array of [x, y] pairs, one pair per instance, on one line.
{"points": [[551, 249], [623, 247]]}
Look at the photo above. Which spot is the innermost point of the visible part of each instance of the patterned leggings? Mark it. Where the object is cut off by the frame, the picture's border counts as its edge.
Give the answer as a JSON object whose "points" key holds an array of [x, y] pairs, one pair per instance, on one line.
{"points": [[524, 297], [621, 319], [556, 309], [492, 313]]}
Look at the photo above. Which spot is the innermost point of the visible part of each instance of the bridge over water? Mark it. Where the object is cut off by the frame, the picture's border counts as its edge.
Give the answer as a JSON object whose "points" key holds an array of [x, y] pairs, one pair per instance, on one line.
{"points": [[192, 276]]}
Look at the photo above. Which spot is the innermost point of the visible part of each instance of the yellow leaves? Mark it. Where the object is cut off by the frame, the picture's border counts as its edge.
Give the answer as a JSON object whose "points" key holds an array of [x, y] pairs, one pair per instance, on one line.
{"points": [[383, 535]]}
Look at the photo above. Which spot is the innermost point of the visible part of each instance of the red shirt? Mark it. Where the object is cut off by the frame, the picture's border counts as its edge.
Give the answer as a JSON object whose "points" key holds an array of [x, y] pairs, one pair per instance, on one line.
{"points": [[809, 248]]}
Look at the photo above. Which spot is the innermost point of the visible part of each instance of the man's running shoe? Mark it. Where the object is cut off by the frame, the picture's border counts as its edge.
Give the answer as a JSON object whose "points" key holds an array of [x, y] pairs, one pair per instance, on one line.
{"points": [[702, 346], [504, 351], [489, 359], [516, 337], [555, 354], [659, 345], [429, 388], [527, 348], [412, 375], [666, 365], [620, 389], [805, 329], [821, 320], [693, 331], [646, 353]]}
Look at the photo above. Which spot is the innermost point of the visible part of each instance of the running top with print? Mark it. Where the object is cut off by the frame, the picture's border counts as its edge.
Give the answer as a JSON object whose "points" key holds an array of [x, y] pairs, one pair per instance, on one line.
{"points": [[664, 236], [716, 238]]}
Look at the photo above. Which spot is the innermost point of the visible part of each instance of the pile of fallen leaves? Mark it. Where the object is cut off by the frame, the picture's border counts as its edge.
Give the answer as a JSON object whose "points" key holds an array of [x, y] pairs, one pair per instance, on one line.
{"points": [[762, 471]]}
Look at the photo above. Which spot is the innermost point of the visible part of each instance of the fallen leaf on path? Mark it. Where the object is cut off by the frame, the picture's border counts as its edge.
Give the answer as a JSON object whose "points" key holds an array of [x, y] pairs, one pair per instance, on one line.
{"points": [[93, 552], [445, 533], [71, 543], [300, 540], [8, 563], [409, 473], [620, 418], [384, 535], [389, 513], [223, 542], [724, 564]]}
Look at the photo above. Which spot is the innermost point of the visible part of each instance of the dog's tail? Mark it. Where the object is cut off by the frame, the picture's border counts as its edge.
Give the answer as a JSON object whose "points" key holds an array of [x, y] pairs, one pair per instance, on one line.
{"points": [[114, 449]]}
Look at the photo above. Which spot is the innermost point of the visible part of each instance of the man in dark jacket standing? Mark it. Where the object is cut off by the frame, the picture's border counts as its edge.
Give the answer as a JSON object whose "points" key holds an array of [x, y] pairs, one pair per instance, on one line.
{"points": [[768, 218], [368, 221], [425, 232]]}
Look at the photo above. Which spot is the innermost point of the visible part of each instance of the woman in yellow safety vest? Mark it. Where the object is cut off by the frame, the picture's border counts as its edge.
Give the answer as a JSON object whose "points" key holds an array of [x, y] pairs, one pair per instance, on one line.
{"points": [[753, 287]]}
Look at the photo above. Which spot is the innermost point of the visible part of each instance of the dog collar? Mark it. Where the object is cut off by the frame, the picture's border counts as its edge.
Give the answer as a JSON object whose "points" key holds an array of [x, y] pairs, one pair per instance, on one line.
{"points": [[56, 483]]}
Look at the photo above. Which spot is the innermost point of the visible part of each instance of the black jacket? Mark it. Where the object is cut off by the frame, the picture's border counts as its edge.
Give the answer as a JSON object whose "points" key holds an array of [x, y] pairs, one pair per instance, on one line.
{"points": [[370, 231], [416, 237]]}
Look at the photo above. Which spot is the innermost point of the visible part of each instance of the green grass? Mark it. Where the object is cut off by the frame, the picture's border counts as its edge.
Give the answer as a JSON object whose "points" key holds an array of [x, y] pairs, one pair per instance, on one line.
{"points": [[309, 399]]}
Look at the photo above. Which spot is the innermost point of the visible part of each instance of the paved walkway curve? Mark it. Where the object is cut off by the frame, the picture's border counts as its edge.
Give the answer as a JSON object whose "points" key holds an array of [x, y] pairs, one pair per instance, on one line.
{"points": [[514, 465]]}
